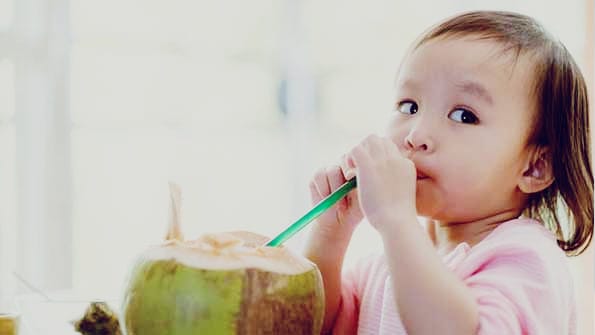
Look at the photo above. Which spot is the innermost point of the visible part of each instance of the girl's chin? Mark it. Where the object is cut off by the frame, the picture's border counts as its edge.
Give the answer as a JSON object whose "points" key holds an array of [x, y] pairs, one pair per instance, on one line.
{"points": [[426, 206], [424, 211]]}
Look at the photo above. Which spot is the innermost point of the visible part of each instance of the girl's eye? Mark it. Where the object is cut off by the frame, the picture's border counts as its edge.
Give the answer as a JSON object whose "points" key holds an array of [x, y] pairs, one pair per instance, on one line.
{"points": [[407, 107], [464, 116]]}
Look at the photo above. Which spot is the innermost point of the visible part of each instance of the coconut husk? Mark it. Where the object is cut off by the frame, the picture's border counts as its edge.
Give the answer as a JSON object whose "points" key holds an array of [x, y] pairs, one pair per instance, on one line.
{"points": [[99, 319]]}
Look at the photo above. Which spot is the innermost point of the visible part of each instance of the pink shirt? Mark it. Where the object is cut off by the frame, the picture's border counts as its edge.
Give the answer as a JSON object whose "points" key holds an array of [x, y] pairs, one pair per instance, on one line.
{"points": [[518, 275]]}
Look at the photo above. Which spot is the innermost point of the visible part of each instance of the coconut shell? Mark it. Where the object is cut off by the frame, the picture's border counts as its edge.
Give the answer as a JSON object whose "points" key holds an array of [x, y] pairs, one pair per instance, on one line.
{"points": [[223, 284]]}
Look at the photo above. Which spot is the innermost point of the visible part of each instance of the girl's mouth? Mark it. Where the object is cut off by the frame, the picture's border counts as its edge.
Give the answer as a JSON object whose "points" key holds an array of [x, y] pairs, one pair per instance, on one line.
{"points": [[420, 175]]}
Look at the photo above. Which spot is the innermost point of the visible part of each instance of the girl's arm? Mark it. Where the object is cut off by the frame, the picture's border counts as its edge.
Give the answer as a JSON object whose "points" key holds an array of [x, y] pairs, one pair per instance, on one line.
{"points": [[429, 297], [327, 250]]}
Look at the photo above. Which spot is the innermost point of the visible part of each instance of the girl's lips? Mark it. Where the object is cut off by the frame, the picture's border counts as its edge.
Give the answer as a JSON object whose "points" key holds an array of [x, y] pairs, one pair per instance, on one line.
{"points": [[420, 175]]}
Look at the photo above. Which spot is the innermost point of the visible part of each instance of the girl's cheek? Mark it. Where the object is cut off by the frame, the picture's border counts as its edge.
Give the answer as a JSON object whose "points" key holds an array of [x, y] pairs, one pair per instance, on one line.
{"points": [[397, 133], [391, 128]]}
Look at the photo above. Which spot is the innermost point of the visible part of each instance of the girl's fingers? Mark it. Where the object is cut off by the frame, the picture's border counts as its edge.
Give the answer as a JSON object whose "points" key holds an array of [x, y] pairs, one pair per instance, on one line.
{"points": [[347, 167], [360, 156], [336, 179], [322, 183], [374, 145], [391, 149], [314, 193], [352, 200]]}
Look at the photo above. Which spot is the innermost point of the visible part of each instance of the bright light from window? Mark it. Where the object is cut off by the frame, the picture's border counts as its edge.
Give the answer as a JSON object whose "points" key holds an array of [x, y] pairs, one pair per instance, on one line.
{"points": [[7, 93], [6, 13]]}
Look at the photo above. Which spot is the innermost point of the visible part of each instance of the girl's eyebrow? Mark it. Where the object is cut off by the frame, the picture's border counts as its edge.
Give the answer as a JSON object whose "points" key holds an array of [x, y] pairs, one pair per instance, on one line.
{"points": [[477, 90], [410, 84], [466, 86]]}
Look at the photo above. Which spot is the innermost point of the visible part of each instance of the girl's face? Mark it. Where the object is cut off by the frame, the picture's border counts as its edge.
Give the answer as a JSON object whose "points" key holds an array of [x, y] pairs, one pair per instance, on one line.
{"points": [[462, 114]]}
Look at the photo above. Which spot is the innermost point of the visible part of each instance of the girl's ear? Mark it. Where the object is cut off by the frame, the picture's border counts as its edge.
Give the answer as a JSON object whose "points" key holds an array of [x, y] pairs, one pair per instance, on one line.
{"points": [[537, 173]]}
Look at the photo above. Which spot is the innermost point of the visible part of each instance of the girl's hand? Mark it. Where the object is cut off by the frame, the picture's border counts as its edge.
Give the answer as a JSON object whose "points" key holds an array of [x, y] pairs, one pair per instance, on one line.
{"points": [[345, 214], [330, 236], [386, 181]]}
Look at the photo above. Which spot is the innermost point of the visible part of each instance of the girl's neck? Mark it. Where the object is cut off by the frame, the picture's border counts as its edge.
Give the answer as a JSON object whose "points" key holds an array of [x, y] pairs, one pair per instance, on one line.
{"points": [[447, 235]]}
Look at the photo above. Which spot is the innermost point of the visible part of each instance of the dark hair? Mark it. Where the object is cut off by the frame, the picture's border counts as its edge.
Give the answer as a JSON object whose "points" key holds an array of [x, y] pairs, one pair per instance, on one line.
{"points": [[561, 123]]}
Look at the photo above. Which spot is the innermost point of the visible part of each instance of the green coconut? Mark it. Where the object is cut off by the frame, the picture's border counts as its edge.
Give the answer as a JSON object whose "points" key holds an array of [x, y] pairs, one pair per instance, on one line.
{"points": [[224, 283]]}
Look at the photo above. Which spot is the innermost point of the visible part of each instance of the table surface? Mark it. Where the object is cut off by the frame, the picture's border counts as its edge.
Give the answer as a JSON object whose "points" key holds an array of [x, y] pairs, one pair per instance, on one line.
{"points": [[40, 316]]}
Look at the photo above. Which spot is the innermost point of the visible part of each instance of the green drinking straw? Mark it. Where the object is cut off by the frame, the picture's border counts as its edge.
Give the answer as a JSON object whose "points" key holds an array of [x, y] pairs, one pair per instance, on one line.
{"points": [[320, 208]]}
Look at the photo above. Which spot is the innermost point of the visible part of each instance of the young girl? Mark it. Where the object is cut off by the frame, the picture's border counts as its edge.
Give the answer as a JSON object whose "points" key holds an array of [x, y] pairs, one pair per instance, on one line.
{"points": [[489, 142]]}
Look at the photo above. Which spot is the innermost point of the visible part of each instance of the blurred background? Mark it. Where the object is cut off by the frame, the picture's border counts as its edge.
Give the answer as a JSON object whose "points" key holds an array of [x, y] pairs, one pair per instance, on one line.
{"points": [[239, 102]]}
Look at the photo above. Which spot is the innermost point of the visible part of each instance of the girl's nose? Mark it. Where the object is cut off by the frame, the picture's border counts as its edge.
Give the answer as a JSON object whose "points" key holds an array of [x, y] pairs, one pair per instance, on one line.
{"points": [[418, 141]]}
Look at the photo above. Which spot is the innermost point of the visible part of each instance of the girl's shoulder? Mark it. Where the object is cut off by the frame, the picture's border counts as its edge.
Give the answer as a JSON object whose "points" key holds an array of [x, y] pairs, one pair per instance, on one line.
{"points": [[519, 267], [522, 235], [518, 244]]}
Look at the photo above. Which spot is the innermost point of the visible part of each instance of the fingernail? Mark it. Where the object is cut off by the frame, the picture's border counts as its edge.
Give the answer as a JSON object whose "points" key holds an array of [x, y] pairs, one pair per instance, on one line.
{"points": [[349, 174]]}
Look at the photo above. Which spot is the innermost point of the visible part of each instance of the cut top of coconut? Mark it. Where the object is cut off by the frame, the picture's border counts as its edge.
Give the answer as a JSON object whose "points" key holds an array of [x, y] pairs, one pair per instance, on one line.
{"points": [[231, 251]]}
